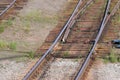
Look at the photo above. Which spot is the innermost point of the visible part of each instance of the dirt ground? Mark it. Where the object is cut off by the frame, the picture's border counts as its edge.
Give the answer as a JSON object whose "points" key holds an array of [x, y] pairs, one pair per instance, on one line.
{"points": [[28, 31], [32, 25]]}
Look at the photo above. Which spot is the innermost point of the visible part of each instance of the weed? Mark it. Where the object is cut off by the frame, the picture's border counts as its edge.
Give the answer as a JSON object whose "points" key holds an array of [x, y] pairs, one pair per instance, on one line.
{"points": [[9, 22], [26, 29], [37, 16], [1, 29], [5, 24], [118, 19], [96, 1], [76, 60], [3, 44], [106, 59], [12, 45], [32, 16], [31, 54], [66, 54], [118, 59], [113, 57]]}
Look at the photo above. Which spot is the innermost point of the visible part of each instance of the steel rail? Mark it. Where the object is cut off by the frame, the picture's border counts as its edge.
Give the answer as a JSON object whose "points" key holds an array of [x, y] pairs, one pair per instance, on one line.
{"points": [[73, 20], [113, 11], [8, 7], [28, 75], [102, 25]]}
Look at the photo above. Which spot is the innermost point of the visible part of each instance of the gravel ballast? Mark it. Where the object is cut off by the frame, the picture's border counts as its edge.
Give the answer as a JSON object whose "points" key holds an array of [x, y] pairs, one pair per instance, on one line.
{"points": [[26, 42], [12, 70], [108, 72], [61, 69], [104, 71]]}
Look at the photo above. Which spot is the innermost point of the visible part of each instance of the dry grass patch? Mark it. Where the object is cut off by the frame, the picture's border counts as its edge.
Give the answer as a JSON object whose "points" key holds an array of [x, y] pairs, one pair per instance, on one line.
{"points": [[5, 24], [8, 45]]}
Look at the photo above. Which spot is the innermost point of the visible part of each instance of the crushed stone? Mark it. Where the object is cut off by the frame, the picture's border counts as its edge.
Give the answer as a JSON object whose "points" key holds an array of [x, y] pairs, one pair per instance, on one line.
{"points": [[61, 69]]}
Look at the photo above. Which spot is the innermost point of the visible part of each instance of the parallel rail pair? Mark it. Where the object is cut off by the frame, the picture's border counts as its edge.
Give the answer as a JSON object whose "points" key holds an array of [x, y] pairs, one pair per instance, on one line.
{"points": [[71, 21], [104, 21], [68, 24]]}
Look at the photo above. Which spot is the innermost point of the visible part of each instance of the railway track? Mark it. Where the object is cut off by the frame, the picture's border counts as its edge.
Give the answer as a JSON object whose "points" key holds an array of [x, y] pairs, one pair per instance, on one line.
{"points": [[10, 7], [79, 36], [103, 23]]}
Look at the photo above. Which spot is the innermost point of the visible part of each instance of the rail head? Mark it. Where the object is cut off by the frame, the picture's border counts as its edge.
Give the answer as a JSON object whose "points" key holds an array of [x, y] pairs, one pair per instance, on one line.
{"points": [[102, 25], [73, 20], [28, 75], [8, 7], [57, 39]]}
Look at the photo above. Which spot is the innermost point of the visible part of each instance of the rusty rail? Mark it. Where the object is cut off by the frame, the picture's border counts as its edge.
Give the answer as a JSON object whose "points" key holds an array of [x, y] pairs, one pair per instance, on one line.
{"points": [[105, 19], [29, 74], [73, 20], [8, 7]]}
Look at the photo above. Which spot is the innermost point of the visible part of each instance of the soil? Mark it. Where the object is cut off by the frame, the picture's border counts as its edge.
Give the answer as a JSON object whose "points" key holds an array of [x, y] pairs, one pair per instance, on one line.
{"points": [[29, 35]]}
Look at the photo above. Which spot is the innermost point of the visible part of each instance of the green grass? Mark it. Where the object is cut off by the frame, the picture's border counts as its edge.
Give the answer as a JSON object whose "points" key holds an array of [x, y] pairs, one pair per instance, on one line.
{"points": [[119, 59], [1, 29], [113, 57], [118, 18], [9, 22], [37, 16], [5, 24], [106, 59], [12, 45], [76, 60], [66, 54], [3, 44], [26, 26], [34, 18], [96, 1], [31, 54]]}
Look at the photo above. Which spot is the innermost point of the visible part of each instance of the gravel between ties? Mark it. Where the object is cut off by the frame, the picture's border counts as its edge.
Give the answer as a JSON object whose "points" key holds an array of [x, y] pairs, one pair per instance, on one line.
{"points": [[61, 69], [108, 72], [102, 71]]}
